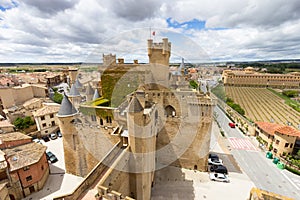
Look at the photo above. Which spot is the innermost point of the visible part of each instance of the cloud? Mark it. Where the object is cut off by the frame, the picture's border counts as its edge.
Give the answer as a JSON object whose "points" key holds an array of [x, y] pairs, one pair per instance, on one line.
{"points": [[51, 7], [81, 30], [134, 10]]}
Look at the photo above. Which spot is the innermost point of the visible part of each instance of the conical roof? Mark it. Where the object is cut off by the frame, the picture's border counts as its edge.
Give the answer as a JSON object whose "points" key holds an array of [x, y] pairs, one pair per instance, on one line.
{"points": [[96, 94], [89, 90], [180, 67], [135, 105], [66, 108], [78, 84], [73, 91]]}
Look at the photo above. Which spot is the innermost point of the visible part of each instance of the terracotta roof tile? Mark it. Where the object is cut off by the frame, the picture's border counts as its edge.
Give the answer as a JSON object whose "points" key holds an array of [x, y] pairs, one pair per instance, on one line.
{"points": [[271, 128], [24, 155], [47, 110], [287, 130], [268, 127]]}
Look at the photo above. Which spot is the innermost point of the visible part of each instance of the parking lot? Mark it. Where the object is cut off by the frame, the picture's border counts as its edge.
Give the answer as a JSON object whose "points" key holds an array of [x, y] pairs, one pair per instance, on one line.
{"points": [[58, 182]]}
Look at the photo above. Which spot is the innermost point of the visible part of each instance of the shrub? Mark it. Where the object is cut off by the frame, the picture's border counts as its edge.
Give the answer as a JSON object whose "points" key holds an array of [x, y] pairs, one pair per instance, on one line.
{"points": [[57, 97], [22, 123], [193, 84], [294, 171]]}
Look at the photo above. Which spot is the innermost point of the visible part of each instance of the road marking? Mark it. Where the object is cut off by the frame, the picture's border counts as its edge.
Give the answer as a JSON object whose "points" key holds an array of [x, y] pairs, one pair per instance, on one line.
{"points": [[290, 180], [241, 143]]}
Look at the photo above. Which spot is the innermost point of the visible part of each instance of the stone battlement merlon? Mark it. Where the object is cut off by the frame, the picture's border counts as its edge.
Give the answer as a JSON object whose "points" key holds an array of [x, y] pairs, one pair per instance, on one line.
{"points": [[165, 46]]}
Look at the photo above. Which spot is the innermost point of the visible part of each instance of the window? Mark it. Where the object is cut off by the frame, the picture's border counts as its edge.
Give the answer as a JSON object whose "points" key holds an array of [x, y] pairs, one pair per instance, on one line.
{"points": [[26, 168], [277, 141], [53, 123], [291, 145], [28, 178], [44, 124], [42, 167], [275, 150], [51, 115], [286, 145], [42, 117]]}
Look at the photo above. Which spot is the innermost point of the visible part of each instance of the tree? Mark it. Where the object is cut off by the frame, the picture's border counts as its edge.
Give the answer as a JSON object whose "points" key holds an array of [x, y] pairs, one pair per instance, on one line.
{"points": [[57, 97], [194, 84], [22, 123]]}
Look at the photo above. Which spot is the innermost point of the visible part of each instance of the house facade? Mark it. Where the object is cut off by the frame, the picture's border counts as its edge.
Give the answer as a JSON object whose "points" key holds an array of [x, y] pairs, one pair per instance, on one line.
{"points": [[280, 139]]}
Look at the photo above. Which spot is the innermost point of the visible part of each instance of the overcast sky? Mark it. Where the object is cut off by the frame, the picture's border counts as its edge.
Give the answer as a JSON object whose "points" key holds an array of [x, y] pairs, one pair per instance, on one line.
{"points": [[200, 30]]}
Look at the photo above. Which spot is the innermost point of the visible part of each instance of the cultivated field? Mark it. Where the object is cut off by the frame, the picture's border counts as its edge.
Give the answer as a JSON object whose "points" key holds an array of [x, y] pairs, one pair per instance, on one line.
{"points": [[260, 104]]}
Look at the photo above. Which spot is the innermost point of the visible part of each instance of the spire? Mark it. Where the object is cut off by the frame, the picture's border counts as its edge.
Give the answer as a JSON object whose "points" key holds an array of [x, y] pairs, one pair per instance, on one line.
{"points": [[89, 90], [135, 105], [180, 67], [96, 95], [78, 84], [73, 91], [66, 108]]}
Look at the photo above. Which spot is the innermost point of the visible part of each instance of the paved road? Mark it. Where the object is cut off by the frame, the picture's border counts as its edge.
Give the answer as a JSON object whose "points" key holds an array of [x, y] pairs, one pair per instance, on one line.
{"points": [[253, 162]]}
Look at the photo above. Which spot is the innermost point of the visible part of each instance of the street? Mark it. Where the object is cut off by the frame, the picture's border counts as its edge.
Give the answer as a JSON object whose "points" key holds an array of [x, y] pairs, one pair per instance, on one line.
{"points": [[254, 163]]}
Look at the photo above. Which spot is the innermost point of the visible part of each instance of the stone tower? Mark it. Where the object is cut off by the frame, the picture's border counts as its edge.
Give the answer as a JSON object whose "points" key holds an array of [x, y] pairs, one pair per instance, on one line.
{"points": [[159, 54], [73, 74], [142, 140], [78, 160]]}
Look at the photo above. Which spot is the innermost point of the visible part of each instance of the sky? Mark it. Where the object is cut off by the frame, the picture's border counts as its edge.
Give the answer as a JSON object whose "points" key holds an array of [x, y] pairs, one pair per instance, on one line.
{"points": [[199, 30]]}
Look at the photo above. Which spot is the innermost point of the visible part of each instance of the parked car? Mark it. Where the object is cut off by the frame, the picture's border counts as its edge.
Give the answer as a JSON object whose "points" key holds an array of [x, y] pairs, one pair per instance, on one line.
{"points": [[219, 169], [46, 138], [232, 125], [37, 141], [51, 157], [213, 161], [59, 134], [218, 177], [213, 156], [53, 136]]}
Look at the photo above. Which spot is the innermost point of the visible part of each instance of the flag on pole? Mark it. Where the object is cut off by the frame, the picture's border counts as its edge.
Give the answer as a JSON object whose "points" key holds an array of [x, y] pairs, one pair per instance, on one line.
{"points": [[153, 33]]}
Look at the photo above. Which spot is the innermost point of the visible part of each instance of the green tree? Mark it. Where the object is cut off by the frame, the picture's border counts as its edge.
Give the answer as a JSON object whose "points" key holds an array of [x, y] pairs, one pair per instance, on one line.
{"points": [[22, 123], [18, 123], [57, 97], [194, 84]]}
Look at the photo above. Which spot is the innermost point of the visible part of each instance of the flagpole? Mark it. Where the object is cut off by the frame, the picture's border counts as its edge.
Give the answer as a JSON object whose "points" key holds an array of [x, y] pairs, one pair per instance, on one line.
{"points": [[150, 32]]}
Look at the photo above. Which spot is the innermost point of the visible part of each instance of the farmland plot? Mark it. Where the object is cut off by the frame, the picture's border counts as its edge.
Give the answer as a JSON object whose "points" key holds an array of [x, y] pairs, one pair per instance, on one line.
{"points": [[261, 104]]}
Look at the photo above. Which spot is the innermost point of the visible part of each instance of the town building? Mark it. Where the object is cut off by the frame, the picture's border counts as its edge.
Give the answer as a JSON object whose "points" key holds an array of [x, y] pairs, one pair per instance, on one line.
{"points": [[250, 78], [281, 138], [24, 168], [6, 126], [46, 119]]}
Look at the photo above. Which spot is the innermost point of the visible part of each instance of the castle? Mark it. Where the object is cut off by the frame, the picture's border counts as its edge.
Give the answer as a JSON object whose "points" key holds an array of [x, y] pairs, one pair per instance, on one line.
{"points": [[159, 122]]}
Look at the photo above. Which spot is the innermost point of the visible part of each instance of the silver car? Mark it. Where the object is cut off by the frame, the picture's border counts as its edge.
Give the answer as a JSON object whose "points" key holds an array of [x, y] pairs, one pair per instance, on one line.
{"points": [[213, 161], [218, 177]]}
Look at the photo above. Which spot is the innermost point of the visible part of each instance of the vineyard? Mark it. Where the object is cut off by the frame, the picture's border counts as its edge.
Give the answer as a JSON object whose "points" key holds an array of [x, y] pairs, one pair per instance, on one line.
{"points": [[261, 104]]}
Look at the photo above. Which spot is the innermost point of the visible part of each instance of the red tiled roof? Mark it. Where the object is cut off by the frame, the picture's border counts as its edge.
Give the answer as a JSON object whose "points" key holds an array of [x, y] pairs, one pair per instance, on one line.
{"points": [[268, 127], [271, 128], [287, 130]]}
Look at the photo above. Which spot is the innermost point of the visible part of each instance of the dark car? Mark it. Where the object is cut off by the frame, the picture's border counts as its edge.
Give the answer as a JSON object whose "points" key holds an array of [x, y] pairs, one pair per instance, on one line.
{"points": [[46, 138], [213, 156], [219, 169], [51, 157], [59, 134]]}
